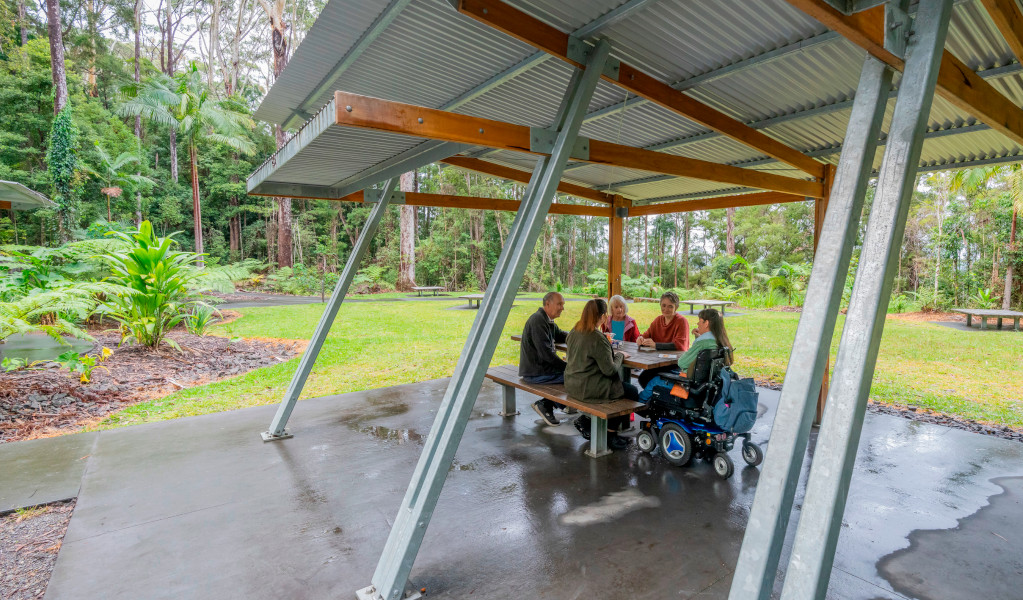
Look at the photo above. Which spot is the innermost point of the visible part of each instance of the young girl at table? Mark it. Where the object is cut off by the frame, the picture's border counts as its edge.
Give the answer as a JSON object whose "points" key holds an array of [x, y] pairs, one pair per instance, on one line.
{"points": [[669, 332], [618, 322], [593, 372]]}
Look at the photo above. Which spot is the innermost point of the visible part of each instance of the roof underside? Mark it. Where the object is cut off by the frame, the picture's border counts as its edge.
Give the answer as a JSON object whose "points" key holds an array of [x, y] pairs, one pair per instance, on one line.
{"points": [[763, 63], [22, 198]]}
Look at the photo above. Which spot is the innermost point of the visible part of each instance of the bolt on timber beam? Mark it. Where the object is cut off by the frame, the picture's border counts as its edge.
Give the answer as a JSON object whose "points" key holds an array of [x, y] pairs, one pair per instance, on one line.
{"points": [[765, 531], [827, 488], [277, 429], [391, 576]]}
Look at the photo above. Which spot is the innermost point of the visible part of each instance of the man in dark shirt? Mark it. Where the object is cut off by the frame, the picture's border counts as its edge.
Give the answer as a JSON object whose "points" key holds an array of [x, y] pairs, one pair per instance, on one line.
{"points": [[538, 362]]}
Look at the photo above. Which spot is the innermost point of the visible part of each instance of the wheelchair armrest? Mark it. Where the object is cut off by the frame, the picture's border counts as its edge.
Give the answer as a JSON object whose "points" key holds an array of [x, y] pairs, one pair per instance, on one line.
{"points": [[677, 378]]}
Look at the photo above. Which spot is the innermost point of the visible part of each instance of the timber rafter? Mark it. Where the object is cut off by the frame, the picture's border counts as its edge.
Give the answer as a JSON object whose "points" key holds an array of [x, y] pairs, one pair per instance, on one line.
{"points": [[542, 36], [957, 83], [354, 110], [511, 174]]}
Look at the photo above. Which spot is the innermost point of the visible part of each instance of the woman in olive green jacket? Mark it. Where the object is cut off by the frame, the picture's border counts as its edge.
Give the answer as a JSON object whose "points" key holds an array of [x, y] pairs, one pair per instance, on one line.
{"points": [[593, 372]]}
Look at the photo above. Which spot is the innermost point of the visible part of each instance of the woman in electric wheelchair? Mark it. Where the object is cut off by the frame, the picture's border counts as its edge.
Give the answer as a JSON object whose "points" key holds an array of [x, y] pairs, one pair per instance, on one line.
{"points": [[703, 412]]}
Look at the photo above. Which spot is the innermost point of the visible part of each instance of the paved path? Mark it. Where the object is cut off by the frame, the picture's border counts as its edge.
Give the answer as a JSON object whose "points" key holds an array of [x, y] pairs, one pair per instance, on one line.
{"points": [[201, 508]]}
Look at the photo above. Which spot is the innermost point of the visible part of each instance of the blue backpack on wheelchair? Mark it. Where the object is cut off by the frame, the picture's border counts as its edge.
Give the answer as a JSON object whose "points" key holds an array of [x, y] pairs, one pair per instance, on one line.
{"points": [[736, 409]]}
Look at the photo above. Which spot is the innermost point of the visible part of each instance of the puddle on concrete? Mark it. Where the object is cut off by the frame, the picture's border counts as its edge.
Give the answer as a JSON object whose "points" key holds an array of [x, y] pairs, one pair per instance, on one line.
{"points": [[609, 508], [402, 436], [982, 557]]}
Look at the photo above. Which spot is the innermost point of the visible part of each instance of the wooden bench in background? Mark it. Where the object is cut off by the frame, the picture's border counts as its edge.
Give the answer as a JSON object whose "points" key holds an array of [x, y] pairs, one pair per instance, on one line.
{"points": [[508, 377]]}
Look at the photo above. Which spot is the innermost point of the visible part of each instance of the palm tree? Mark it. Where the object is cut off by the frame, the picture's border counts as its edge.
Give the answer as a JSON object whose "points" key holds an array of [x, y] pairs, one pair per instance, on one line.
{"points": [[183, 104], [113, 174]]}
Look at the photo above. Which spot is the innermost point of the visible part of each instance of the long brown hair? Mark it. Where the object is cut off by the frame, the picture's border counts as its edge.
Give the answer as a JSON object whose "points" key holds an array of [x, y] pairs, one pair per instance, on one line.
{"points": [[717, 328], [593, 315]]}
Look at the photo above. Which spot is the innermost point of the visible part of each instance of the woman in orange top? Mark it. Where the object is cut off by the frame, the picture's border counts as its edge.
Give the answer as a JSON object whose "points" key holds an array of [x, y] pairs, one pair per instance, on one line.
{"points": [[669, 331]]}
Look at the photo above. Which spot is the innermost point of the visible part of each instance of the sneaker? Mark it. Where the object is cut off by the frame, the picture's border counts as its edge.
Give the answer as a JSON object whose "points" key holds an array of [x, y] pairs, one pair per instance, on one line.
{"points": [[582, 424], [546, 413]]}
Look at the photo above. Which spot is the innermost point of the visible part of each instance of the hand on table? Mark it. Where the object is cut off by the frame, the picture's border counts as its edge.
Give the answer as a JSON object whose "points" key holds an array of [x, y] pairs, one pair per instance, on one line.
{"points": [[648, 342]]}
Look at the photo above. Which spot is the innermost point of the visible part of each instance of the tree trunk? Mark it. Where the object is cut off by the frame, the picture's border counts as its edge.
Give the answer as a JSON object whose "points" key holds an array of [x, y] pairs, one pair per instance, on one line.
{"points": [[730, 231], [271, 236], [91, 31], [477, 257], [646, 246], [235, 222], [626, 250], [1007, 295], [685, 249], [22, 17], [407, 241], [54, 28], [138, 118], [214, 43], [280, 56], [571, 258], [196, 207]]}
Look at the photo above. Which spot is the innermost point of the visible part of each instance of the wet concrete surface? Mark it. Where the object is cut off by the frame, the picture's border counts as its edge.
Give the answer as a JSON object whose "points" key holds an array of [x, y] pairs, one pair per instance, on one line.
{"points": [[43, 471], [201, 508], [39, 346]]}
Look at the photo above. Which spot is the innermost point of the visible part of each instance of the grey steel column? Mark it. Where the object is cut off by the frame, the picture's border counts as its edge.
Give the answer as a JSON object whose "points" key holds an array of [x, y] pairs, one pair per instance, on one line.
{"points": [[417, 508], [813, 551], [769, 517], [305, 366]]}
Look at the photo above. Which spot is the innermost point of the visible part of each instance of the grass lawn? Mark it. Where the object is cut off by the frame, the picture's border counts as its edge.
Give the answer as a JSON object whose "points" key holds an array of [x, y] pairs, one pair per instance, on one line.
{"points": [[975, 375]]}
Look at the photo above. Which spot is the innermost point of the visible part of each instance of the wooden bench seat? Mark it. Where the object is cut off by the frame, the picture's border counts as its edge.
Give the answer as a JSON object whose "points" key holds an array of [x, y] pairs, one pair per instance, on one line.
{"points": [[508, 377]]}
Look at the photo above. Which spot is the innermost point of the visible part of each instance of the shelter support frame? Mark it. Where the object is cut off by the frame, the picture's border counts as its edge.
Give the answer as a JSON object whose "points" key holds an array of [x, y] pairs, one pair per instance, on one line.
{"points": [[277, 430], [827, 488], [414, 514], [765, 532], [816, 537]]}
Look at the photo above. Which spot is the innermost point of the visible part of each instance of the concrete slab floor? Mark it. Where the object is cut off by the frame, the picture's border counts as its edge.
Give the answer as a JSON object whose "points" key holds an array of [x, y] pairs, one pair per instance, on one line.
{"points": [[43, 471], [201, 508]]}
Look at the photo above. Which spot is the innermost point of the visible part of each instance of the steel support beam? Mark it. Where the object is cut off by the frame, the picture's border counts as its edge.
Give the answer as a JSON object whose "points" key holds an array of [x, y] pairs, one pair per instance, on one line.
{"points": [[391, 576], [277, 429], [827, 488], [765, 531]]}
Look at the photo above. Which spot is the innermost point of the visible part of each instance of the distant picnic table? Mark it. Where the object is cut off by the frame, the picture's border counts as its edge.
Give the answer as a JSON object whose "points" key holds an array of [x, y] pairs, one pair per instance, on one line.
{"points": [[707, 304], [988, 313], [473, 298], [427, 288]]}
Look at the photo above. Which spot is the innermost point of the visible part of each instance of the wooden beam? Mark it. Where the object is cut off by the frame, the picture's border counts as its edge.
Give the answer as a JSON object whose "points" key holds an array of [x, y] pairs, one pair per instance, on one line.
{"points": [[665, 208], [820, 210], [489, 168], [354, 110], [542, 36], [5, 205], [615, 230], [1009, 21], [957, 83], [479, 203]]}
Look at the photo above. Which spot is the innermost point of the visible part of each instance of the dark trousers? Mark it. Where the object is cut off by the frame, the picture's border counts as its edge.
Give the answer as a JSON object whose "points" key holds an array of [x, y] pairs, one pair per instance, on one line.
{"points": [[549, 379]]}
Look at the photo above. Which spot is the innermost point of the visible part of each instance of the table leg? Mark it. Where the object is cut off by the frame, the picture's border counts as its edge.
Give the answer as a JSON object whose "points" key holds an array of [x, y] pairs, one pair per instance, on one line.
{"points": [[692, 309], [969, 320], [1015, 324], [598, 438], [509, 402], [983, 322], [999, 323]]}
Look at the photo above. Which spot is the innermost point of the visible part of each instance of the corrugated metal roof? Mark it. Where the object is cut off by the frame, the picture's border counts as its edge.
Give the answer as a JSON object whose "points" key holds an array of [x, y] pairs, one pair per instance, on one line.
{"points": [[423, 52]]}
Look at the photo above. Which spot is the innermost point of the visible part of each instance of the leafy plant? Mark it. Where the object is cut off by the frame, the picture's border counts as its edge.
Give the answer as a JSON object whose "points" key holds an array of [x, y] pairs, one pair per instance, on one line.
{"points": [[789, 280], [159, 278], [898, 303], [13, 364], [984, 299], [82, 364], [56, 312], [597, 282], [201, 318]]}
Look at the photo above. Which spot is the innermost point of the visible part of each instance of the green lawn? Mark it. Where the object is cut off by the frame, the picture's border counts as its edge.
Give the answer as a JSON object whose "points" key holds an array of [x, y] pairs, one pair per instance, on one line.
{"points": [[975, 375]]}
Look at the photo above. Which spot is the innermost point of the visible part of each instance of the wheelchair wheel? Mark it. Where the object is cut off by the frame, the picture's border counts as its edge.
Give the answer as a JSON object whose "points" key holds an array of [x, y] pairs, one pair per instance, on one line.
{"points": [[723, 465], [752, 454], [676, 445], [646, 441]]}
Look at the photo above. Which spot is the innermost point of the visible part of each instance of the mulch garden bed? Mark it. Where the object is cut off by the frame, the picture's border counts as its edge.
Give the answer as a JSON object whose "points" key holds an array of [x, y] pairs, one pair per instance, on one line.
{"points": [[29, 542], [48, 400]]}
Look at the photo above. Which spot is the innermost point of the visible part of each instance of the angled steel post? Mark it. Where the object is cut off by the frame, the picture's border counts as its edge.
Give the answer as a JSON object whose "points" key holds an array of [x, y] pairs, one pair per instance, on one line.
{"points": [[769, 517], [827, 488], [391, 576], [305, 366]]}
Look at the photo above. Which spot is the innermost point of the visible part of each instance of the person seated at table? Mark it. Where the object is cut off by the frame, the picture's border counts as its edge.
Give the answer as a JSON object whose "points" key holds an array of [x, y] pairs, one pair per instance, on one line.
{"points": [[618, 321], [538, 361], [710, 334], [593, 372], [669, 331]]}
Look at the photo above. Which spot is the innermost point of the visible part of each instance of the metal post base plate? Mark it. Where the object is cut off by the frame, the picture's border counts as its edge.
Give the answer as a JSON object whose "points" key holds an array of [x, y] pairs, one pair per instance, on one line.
{"points": [[270, 437], [593, 454], [509, 414], [371, 593]]}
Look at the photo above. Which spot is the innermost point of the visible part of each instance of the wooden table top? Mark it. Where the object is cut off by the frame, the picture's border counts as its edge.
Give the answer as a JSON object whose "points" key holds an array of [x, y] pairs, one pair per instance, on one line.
{"points": [[647, 358], [989, 312]]}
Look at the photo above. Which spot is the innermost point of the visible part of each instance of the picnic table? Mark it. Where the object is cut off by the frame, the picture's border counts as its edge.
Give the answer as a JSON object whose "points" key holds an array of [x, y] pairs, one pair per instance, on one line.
{"points": [[641, 358], [987, 313], [427, 288], [473, 297], [708, 304]]}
